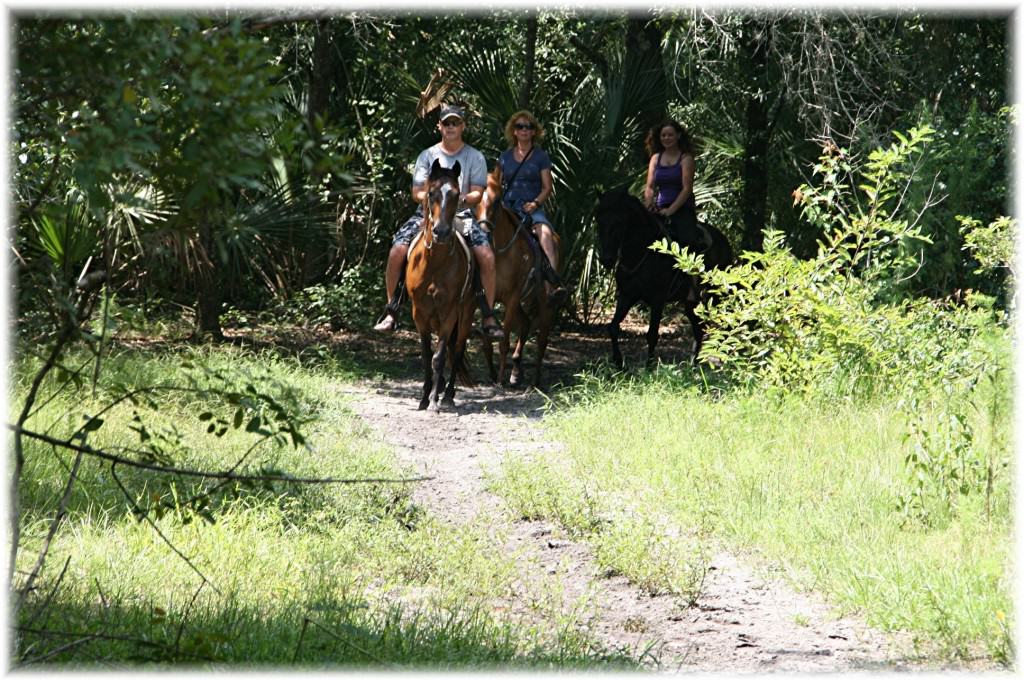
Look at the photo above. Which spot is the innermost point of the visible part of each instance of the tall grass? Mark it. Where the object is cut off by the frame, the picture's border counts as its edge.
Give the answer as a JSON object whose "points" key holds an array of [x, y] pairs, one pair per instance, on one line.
{"points": [[807, 484], [281, 574]]}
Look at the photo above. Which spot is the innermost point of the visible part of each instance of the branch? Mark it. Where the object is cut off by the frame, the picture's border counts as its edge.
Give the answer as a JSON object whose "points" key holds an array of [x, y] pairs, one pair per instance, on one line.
{"points": [[59, 649], [184, 618], [67, 334], [224, 475], [254, 25], [145, 516], [49, 597], [45, 188], [61, 511], [107, 637]]}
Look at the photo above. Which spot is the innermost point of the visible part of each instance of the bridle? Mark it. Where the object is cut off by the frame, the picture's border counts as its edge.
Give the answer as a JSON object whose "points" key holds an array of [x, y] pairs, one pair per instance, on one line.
{"points": [[499, 250], [456, 237], [427, 213]]}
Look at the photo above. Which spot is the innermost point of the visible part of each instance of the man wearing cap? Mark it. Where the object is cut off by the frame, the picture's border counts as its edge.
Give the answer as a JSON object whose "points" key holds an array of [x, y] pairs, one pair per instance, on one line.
{"points": [[472, 180]]}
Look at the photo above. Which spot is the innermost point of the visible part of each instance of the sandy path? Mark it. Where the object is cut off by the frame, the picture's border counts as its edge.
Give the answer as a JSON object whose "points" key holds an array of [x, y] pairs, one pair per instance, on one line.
{"points": [[741, 621]]}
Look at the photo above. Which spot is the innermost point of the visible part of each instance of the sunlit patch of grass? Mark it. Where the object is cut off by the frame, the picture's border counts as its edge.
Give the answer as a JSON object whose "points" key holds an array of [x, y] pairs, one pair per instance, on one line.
{"points": [[810, 486], [277, 573]]}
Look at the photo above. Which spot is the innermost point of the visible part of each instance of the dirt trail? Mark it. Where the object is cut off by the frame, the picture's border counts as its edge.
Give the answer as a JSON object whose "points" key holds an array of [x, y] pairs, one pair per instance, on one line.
{"points": [[741, 622]]}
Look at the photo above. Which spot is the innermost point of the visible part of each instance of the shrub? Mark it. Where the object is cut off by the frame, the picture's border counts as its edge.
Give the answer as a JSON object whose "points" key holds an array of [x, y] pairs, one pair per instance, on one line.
{"points": [[839, 323]]}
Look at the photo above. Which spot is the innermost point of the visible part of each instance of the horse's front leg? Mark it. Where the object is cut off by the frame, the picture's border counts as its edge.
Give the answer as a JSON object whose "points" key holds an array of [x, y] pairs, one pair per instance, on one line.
{"points": [[525, 330], [488, 348], [516, 378], [697, 326], [513, 320], [543, 331], [428, 371], [458, 349], [622, 306], [652, 331], [438, 374]]}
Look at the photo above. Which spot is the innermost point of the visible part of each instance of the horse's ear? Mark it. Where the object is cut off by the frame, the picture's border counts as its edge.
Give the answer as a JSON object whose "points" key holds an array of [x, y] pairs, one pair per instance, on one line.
{"points": [[457, 169], [434, 168]]}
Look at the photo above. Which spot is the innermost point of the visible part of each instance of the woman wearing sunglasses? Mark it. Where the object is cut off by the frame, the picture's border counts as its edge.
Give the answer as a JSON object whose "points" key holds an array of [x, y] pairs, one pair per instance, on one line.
{"points": [[526, 175]]}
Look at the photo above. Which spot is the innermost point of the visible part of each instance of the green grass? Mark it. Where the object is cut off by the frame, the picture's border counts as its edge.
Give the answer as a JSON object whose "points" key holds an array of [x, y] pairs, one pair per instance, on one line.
{"points": [[812, 487], [320, 576]]}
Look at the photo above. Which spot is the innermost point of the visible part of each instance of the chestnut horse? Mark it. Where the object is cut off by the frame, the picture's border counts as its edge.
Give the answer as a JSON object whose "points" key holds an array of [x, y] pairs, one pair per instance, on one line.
{"points": [[438, 277], [520, 287]]}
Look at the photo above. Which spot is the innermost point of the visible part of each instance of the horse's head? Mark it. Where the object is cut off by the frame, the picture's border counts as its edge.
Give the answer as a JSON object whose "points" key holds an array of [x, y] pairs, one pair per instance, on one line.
{"points": [[441, 201], [613, 219], [491, 194]]}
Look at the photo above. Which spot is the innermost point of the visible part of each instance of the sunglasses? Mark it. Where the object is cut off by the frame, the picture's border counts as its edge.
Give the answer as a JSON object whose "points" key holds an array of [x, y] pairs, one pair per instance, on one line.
{"points": [[452, 122], [524, 126]]}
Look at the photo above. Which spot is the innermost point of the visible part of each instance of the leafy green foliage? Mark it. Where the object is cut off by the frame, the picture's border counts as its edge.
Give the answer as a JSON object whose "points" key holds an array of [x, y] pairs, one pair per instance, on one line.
{"points": [[67, 239], [991, 245], [835, 323]]}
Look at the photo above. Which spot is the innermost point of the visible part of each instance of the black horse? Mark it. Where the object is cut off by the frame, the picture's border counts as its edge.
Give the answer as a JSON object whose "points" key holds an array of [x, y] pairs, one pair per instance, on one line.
{"points": [[626, 229]]}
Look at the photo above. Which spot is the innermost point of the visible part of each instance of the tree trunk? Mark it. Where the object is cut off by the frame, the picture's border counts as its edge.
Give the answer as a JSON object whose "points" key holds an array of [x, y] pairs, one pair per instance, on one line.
{"points": [[755, 152], [644, 63], [209, 292], [530, 62], [314, 257], [319, 76]]}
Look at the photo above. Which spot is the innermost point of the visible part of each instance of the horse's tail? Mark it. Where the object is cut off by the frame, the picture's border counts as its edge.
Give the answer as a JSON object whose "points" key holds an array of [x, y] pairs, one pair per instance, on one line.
{"points": [[720, 253]]}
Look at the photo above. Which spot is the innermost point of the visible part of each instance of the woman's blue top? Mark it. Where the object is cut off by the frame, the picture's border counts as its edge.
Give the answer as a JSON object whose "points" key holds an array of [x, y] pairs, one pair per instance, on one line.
{"points": [[527, 184]]}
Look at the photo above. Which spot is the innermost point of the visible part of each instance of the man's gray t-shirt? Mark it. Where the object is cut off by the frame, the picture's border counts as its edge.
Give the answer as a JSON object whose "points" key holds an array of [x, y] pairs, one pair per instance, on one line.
{"points": [[473, 168]]}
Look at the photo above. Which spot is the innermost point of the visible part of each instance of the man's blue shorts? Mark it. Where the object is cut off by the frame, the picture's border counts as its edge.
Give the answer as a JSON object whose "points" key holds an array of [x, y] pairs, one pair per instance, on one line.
{"points": [[408, 231]]}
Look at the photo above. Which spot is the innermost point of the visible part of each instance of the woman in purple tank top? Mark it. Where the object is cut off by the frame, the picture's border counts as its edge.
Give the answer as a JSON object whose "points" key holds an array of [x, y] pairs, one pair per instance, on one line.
{"points": [[669, 190]]}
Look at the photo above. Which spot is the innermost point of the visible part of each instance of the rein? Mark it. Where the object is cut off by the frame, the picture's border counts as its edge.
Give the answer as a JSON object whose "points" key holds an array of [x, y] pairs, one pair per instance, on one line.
{"points": [[465, 251], [632, 270], [511, 241], [629, 271]]}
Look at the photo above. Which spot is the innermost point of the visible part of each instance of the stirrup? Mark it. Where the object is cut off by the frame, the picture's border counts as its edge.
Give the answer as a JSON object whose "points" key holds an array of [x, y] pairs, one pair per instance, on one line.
{"points": [[558, 297]]}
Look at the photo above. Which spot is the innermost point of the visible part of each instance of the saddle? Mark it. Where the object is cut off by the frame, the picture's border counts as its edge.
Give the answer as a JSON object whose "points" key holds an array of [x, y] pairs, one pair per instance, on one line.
{"points": [[398, 295], [539, 272], [704, 239]]}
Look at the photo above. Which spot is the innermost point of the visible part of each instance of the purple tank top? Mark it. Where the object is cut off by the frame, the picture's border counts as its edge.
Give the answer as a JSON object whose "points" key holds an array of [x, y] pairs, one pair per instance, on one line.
{"points": [[669, 181]]}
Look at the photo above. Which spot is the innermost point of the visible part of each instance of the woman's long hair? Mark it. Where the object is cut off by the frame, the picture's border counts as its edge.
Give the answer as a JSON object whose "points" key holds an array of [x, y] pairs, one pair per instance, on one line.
{"points": [[510, 131], [653, 141]]}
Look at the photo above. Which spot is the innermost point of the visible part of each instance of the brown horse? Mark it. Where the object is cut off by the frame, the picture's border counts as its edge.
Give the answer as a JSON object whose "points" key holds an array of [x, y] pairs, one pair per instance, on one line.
{"points": [[519, 289], [438, 278]]}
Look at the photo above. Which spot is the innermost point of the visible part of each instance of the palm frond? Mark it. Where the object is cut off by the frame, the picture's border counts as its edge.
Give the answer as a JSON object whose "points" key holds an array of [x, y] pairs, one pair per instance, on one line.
{"points": [[68, 238], [434, 94]]}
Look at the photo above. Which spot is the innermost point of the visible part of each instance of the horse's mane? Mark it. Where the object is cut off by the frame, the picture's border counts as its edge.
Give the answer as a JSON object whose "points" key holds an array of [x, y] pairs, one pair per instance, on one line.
{"points": [[620, 201]]}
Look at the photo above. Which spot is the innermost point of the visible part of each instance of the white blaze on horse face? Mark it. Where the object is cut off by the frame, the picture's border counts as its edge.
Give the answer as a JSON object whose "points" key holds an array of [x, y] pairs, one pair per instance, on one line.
{"points": [[443, 201]]}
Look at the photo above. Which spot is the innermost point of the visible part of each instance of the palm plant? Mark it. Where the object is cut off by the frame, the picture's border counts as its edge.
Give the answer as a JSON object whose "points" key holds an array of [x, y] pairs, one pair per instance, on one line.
{"points": [[591, 137]]}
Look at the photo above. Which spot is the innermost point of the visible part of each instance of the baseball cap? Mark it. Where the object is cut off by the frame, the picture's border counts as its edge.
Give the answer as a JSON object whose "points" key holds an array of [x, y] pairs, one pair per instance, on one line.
{"points": [[449, 110]]}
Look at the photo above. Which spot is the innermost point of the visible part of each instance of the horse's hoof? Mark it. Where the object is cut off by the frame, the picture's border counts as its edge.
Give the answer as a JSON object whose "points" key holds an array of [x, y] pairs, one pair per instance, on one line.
{"points": [[423, 404], [448, 402]]}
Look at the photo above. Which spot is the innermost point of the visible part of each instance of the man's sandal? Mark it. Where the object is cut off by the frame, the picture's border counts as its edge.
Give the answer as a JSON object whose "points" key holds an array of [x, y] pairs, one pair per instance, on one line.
{"points": [[492, 330], [389, 323], [558, 297]]}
